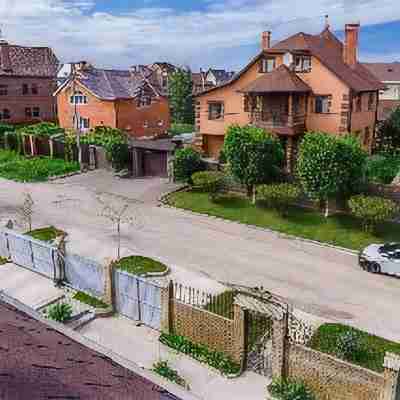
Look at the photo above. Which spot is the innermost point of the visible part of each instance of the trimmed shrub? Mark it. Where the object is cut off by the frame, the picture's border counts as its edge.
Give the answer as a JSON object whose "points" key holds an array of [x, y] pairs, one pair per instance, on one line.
{"points": [[9, 155], [280, 196], [60, 312], [383, 168], [179, 129], [284, 389], [187, 162], [43, 129], [372, 210], [209, 182]]}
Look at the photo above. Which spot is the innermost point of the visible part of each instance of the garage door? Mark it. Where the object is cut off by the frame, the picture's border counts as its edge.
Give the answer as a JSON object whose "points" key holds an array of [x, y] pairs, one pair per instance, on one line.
{"points": [[155, 163]]}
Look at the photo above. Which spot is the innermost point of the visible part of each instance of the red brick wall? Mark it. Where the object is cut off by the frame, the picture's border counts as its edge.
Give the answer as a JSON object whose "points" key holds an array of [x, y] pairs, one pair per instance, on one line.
{"points": [[132, 119], [16, 102]]}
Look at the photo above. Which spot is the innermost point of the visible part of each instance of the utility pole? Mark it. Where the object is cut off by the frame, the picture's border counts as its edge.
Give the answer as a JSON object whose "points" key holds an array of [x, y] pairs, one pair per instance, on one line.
{"points": [[75, 120]]}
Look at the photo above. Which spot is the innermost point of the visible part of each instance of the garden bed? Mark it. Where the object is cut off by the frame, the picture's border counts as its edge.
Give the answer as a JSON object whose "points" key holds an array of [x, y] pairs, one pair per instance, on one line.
{"points": [[38, 169], [163, 369], [141, 266], [326, 338], [339, 230], [3, 261], [89, 300], [46, 234]]}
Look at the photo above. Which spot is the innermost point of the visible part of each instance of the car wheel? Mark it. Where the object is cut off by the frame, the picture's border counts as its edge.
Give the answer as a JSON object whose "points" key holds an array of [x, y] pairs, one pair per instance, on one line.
{"points": [[374, 267]]}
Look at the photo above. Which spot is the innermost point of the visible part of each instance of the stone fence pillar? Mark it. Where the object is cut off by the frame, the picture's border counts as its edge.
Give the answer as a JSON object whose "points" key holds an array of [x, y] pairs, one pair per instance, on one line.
{"points": [[166, 307], [239, 339], [391, 374], [109, 283], [279, 334]]}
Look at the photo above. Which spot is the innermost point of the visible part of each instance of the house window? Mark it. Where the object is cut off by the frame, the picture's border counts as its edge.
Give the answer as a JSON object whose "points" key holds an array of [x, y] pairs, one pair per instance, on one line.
{"points": [[371, 101], [35, 89], [267, 65], [25, 89], [144, 101], [5, 114], [322, 104], [83, 123], [302, 63], [358, 101], [78, 98], [28, 112], [216, 111], [36, 112], [3, 90]]}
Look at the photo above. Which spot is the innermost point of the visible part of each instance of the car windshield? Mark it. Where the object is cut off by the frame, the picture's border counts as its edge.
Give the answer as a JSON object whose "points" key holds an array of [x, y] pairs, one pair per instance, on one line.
{"points": [[391, 250]]}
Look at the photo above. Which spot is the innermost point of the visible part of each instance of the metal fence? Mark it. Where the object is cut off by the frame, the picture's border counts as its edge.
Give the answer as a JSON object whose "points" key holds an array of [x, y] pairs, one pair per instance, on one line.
{"points": [[33, 254], [138, 298], [84, 274]]}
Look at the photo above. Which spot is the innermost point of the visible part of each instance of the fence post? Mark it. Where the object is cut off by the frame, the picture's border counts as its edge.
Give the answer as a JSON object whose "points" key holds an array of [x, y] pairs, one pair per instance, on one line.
{"points": [[279, 336], [239, 339], [33, 145], [166, 307], [109, 283], [391, 374]]}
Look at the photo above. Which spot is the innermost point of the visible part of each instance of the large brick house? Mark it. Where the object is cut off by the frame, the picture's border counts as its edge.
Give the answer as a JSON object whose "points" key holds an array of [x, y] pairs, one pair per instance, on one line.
{"points": [[303, 83], [27, 82], [389, 98], [131, 100]]}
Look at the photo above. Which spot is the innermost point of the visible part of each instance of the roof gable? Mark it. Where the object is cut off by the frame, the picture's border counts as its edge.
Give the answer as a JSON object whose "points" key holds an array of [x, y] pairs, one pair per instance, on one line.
{"points": [[385, 72]]}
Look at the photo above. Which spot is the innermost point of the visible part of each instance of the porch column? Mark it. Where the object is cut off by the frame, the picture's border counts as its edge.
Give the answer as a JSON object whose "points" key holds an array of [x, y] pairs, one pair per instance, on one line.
{"points": [[290, 109]]}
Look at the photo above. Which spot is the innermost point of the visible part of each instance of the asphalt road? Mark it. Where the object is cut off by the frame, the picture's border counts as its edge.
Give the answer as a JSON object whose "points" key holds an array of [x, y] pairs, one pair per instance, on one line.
{"points": [[320, 280]]}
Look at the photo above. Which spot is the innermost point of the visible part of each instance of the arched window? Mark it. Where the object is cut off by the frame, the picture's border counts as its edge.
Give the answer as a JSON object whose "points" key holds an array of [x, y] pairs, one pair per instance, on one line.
{"points": [[78, 98]]}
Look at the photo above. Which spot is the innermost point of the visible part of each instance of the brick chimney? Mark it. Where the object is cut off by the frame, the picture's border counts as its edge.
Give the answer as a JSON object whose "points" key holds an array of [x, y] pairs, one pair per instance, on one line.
{"points": [[350, 48], [266, 40]]}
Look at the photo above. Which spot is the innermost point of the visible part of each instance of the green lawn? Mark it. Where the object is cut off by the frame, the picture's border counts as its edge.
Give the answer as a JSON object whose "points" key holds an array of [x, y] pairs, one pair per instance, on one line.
{"points": [[89, 300], [326, 337], [339, 230], [45, 234], [138, 265]]}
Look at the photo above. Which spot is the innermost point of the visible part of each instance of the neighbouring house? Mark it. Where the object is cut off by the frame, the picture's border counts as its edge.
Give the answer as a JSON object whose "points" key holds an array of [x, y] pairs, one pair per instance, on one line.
{"points": [[389, 98], [64, 73], [163, 70], [218, 76], [199, 82], [131, 100], [43, 361], [303, 83], [27, 82]]}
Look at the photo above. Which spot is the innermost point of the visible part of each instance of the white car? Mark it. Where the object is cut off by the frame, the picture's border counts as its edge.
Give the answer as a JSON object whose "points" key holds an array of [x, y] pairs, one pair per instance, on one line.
{"points": [[381, 258]]}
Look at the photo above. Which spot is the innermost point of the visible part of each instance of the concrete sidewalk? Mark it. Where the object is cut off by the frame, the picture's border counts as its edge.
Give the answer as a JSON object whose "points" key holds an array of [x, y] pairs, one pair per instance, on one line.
{"points": [[28, 287], [140, 345]]}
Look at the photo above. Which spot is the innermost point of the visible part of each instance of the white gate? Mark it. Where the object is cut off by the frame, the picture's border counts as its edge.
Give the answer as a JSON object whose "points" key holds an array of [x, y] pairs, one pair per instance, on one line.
{"points": [[138, 298]]}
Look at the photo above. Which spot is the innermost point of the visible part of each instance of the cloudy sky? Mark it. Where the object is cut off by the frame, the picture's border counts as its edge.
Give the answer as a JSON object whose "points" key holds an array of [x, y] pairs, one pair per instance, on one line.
{"points": [[222, 33]]}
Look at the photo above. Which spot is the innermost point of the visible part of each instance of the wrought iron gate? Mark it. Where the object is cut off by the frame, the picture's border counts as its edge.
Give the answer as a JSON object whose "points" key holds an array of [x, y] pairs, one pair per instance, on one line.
{"points": [[259, 343]]}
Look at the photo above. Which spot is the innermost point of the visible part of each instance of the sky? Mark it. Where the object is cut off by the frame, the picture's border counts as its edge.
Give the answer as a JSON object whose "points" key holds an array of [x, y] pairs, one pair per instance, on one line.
{"points": [[194, 33]]}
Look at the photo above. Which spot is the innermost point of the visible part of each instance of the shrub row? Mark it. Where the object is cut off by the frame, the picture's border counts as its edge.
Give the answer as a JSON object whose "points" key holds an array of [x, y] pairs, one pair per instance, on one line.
{"points": [[201, 353]]}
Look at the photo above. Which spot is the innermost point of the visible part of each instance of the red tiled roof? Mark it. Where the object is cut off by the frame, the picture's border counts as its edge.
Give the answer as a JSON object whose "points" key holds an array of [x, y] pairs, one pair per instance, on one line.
{"points": [[328, 49], [27, 61], [37, 362], [279, 80], [385, 72]]}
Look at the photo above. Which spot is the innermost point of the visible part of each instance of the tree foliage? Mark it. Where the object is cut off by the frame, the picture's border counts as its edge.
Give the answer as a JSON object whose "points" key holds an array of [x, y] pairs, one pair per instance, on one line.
{"points": [[210, 182], [280, 196], [383, 168], [372, 210], [180, 89], [329, 166], [254, 156], [187, 162], [43, 129], [388, 135]]}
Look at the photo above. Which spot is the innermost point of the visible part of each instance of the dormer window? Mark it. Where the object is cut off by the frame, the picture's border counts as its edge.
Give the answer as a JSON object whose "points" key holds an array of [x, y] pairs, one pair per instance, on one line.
{"points": [[78, 98], [302, 63], [267, 65]]}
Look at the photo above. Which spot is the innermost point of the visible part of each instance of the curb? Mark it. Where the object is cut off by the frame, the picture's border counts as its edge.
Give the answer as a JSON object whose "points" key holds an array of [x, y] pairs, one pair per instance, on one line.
{"points": [[165, 203]]}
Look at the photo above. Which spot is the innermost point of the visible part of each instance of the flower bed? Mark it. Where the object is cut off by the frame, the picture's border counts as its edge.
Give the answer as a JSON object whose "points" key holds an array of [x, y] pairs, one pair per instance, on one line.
{"points": [[201, 353], [142, 266], [46, 234]]}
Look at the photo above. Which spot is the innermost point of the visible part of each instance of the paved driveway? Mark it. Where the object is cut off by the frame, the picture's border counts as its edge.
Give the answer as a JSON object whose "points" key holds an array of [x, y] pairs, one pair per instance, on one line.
{"points": [[319, 280]]}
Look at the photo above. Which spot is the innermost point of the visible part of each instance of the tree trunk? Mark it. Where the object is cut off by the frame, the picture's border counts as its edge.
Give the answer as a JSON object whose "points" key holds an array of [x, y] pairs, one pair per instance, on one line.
{"points": [[119, 242], [326, 208], [254, 195], [249, 189]]}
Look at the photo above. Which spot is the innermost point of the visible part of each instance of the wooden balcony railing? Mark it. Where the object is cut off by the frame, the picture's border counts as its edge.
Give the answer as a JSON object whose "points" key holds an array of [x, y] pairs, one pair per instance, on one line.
{"points": [[266, 119]]}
